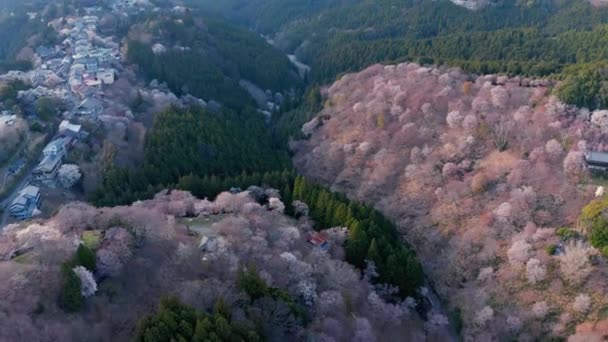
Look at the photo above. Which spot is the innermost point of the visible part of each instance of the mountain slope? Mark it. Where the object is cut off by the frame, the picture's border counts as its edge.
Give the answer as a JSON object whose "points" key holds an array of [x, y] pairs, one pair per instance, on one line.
{"points": [[246, 260], [479, 173]]}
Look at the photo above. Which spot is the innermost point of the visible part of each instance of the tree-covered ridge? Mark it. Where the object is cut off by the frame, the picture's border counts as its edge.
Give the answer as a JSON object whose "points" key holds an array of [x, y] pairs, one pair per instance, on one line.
{"points": [[266, 16], [372, 237], [14, 34], [207, 58], [189, 72], [198, 142], [538, 38]]}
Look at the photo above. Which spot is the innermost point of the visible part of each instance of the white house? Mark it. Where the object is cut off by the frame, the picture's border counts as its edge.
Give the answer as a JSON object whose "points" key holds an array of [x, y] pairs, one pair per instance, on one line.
{"points": [[106, 76], [56, 147], [65, 125]]}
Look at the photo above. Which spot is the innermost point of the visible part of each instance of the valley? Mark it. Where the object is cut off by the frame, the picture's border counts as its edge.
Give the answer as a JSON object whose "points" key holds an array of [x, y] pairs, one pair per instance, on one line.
{"points": [[338, 170]]}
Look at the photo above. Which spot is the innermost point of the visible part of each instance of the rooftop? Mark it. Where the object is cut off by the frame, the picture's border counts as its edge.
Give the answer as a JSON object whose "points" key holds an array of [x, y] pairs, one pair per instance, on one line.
{"points": [[90, 103], [598, 157], [30, 191], [58, 143], [318, 240], [66, 125], [48, 164]]}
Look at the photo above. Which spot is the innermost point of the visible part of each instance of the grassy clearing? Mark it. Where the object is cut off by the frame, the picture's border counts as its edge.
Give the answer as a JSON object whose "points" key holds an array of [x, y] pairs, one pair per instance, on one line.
{"points": [[91, 238]]}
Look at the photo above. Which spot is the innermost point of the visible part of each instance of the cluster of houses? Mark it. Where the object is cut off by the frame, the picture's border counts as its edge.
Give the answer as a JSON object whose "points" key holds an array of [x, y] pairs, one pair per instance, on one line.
{"points": [[74, 72], [27, 202], [91, 66], [53, 154]]}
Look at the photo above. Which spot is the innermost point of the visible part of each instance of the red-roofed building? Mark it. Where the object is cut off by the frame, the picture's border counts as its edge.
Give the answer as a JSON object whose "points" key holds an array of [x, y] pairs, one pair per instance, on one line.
{"points": [[317, 240]]}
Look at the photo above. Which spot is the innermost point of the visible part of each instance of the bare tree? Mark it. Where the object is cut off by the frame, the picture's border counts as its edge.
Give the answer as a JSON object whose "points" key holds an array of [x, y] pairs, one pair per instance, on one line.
{"points": [[574, 262], [501, 131]]}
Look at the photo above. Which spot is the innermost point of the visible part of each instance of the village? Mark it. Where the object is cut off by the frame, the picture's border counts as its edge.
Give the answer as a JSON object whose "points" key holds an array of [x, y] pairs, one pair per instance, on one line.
{"points": [[76, 73]]}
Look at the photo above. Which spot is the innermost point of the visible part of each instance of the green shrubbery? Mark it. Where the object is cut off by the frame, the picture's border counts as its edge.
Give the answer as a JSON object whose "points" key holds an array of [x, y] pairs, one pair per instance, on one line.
{"points": [[566, 233], [70, 298], [593, 219]]}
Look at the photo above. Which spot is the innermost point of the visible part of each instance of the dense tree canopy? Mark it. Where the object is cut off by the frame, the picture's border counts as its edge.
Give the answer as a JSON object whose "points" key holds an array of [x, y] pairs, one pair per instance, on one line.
{"points": [[175, 321], [197, 142], [207, 58]]}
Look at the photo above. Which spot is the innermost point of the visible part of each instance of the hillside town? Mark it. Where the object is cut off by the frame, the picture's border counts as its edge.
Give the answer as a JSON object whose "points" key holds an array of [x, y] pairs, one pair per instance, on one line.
{"points": [[76, 73]]}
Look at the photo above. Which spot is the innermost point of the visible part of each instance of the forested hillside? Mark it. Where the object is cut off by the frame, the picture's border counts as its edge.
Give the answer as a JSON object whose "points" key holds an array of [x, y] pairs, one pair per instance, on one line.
{"points": [[194, 142], [207, 58], [539, 38], [235, 269]]}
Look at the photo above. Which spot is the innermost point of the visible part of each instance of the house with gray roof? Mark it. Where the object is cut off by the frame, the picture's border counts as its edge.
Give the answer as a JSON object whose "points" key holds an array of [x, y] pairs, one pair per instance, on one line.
{"points": [[597, 161], [90, 106], [26, 203], [46, 171]]}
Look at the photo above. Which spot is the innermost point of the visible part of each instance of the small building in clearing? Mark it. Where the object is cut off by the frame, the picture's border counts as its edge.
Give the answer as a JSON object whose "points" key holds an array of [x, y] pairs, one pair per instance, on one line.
{"points": [[317, 240], [597, 161]]}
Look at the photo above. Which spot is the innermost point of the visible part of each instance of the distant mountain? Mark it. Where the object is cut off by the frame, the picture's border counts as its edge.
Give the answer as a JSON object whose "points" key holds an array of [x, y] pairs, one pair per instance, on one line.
{"points": [[341, 36]]}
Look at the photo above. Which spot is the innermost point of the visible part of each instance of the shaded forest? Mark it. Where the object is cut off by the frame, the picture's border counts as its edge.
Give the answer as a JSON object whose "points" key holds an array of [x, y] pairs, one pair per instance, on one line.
{"points": [[207, 58]]}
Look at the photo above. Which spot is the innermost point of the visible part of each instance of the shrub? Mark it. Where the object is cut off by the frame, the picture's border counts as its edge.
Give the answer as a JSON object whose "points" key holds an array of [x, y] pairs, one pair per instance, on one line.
{"points": [[85, 257], [593, 209], [70, 299], [599, 232], [479, 183], [37, 127], [551, 249], [566, 233]]}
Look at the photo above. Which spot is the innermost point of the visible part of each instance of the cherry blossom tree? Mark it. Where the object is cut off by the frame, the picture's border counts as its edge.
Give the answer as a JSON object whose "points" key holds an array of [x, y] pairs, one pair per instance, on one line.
{"points": [[88, 286], [574, 262], [540, 309], [553, 148], [68, 175], [454, 119], [519, 253], [483, 316], [275, 204], [582, 303], [574, 163], [535, 271]]}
